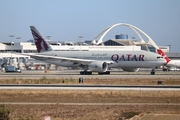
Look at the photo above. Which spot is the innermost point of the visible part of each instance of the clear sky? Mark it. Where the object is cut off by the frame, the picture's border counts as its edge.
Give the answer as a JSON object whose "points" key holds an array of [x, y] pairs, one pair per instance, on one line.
{"points": [[65, 20]]}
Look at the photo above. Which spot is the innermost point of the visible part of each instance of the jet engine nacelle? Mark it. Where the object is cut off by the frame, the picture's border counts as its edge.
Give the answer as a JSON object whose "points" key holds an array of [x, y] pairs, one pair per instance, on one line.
{"points": [[98, 66], [131, 69]]}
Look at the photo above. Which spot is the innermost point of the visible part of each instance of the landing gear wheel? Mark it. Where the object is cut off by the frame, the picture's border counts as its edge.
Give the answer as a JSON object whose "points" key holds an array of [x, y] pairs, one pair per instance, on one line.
{"points": [[153, 72], [104, 73], [85, 73]]}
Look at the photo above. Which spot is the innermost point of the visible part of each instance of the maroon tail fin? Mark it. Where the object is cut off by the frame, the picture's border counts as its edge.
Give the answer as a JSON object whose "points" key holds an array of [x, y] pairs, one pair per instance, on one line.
{"points": [[41, 44]]}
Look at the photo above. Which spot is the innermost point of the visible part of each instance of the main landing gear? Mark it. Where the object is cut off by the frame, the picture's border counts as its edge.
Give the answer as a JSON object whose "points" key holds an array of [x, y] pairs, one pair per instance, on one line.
{"points": [[90, 73], [85, 73], [104, 73]]}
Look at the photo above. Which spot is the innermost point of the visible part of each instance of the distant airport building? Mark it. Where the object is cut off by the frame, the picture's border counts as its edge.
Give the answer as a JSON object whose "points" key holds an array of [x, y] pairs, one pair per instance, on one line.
{"points": [[129, 42]]}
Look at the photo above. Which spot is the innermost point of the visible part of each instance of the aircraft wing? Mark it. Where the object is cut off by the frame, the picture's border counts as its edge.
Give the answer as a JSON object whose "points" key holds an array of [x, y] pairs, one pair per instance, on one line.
{"points": [[75, 60]]}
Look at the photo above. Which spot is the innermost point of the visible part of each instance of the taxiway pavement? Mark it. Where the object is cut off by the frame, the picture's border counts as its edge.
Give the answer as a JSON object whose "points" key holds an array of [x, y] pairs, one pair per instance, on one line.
{"points": [[37, 74]]}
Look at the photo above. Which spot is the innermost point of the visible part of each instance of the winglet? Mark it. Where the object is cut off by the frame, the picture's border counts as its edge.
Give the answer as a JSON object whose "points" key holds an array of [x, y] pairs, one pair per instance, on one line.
{"points": [[160, 52], [41, 44]]}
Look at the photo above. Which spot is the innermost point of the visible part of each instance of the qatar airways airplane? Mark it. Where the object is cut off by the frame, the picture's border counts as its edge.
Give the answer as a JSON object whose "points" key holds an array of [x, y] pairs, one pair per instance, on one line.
{"points": [[95, 61]]}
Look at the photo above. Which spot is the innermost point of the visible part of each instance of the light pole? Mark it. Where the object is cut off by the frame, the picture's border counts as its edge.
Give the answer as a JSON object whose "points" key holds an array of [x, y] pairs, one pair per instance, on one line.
{"points": [[81, 37], [11, 36], [169, 48], [48, 38], [18, 38], [133, 38]]}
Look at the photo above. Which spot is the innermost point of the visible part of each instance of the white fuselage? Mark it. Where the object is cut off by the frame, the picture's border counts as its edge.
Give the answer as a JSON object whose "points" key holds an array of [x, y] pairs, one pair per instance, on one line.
{"points": [[129, 59], [173, 63]]}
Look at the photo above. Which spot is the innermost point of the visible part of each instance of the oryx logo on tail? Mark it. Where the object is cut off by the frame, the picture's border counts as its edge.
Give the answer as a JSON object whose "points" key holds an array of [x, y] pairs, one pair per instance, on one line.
{"points": [[160, 52], [41, 44]]}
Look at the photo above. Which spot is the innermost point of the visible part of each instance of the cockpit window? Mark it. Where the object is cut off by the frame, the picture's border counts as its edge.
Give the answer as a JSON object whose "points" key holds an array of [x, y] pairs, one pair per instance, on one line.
{"points": [[159, 57]]}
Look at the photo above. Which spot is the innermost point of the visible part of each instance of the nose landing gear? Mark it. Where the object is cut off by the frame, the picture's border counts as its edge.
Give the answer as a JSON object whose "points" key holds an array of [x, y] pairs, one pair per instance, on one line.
{"points": [[152, 72]]}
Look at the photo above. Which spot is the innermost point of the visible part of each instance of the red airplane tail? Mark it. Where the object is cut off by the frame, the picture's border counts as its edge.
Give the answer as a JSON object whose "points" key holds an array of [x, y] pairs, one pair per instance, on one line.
{"points": [[160, 52]]}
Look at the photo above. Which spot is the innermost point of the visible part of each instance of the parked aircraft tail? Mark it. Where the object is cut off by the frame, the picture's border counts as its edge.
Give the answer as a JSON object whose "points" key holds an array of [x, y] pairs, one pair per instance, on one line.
{"points": [[41, 44], [160, 52]]}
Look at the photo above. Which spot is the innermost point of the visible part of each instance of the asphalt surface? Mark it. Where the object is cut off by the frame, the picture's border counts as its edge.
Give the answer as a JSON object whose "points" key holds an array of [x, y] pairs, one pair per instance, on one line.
{"points": [[37, 74]]}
